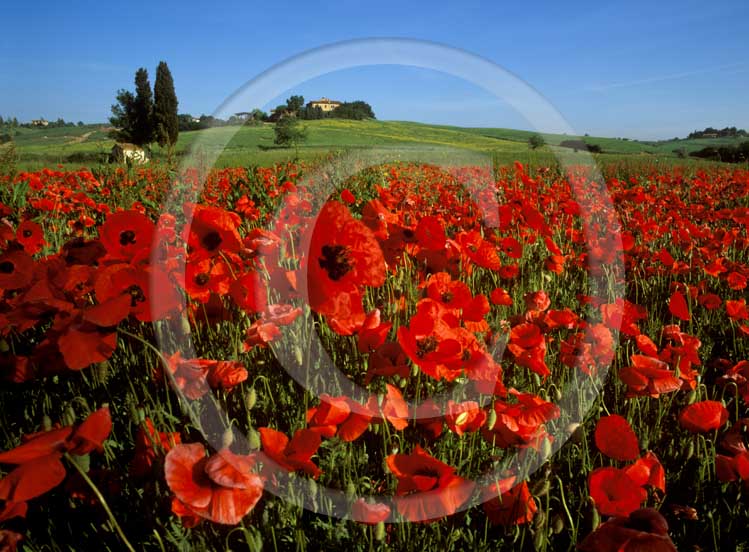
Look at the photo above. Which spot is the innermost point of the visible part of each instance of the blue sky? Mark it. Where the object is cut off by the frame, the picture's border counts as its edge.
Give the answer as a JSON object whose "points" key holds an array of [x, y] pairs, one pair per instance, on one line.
{"points": [[632, 69]]}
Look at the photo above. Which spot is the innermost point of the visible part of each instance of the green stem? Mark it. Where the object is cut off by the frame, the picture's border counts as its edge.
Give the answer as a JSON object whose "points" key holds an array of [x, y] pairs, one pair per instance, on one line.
{"points": [[103, 502]]}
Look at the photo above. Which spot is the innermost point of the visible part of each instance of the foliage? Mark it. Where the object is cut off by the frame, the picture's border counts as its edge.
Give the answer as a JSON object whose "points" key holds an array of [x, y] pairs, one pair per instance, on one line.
{"points": [[289, 131], [726, 154], [536, 141], [165, 118]]}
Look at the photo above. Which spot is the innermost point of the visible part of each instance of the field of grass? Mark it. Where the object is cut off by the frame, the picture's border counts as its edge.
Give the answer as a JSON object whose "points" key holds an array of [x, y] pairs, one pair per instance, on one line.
{"points": [[89, 145]]}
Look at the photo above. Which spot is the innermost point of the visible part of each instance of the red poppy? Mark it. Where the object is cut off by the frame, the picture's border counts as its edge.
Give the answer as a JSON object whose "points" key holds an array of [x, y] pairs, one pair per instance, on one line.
{"points": [[31, 236], [149, 443], [643, 529], [434, 490], [373, 332], [343, 255], [499, 296], [703, 416], [347, 196], [127, 236], [16, 270], [394, 408], [91, 434], [508, 504], [677, 305], [648, 471], [212, 230], [614, 438], [32, 478], [292, 455], [649, 376], [371, 514], [464, 417], [614, 492], [221, 488]]}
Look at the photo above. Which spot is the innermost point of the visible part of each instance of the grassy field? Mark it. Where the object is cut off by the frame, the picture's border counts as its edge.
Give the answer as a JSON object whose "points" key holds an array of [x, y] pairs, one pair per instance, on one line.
{"points": [[89, 145]]}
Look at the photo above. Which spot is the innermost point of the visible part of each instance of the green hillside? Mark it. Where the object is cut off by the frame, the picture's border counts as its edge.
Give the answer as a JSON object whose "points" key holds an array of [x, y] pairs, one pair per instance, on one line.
{"points": [[90, 144]]}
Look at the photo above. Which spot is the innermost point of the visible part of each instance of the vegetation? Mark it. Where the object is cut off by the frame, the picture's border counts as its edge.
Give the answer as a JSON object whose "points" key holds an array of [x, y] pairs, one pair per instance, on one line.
{"points": [[165, 118], [536, 141], [289, 132], [711, 132], [726, 154]]}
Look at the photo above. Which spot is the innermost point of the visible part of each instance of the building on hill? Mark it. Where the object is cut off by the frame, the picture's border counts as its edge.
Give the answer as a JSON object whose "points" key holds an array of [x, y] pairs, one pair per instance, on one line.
{"points": [[39, 122], [124, 152], [326, 104]]}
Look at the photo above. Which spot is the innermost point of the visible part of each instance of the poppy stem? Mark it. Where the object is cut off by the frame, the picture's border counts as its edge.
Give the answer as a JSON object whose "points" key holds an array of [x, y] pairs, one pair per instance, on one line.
{"points": [[103, 502]]}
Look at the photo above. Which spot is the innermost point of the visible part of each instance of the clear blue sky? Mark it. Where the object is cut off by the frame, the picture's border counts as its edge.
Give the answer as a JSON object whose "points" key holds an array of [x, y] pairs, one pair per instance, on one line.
{"points": [[634, 69]]}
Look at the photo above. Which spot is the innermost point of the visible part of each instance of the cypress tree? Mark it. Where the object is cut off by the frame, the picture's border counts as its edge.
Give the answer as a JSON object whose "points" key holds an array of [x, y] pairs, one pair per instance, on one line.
{"points": [[166, 120], [142, 129]]}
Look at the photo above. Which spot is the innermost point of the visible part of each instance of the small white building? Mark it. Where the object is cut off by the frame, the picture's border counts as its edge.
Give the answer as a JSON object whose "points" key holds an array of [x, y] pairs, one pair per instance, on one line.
{"points": [[124, 152]]}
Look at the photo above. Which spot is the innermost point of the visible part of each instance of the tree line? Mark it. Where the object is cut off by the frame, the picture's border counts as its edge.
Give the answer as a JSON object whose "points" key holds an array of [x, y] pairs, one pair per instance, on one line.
{"points": [[726, 154], [146, 116], [710, 132]]}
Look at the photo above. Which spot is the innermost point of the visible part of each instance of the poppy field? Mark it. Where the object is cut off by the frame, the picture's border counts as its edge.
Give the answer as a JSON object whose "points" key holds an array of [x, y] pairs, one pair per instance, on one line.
{"points": [[412, 357]]}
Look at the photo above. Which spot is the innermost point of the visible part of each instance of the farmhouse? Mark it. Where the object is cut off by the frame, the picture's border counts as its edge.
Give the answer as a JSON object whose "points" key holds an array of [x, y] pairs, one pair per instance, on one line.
{"points": [[124, 152], [326, 104], [39, 122]]}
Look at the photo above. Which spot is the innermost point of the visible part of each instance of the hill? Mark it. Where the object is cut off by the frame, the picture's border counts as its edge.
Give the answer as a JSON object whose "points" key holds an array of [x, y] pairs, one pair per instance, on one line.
{"points": [[90, 144]]}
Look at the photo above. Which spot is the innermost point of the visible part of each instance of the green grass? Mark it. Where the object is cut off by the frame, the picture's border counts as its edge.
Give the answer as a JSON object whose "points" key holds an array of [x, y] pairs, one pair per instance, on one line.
{"points": [[89, 145]]}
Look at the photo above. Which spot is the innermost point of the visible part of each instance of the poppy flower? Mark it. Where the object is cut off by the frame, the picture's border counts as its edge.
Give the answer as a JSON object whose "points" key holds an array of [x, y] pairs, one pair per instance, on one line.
{"points": [[148, 444], [615, 438], [373, 332], [394, 408], [648, 470], [508, 504], [292, 455], [428, 489], [127, 236], [90, 435], [703, 416], [371, 514], [614, 492], [464, 417], [342, 256], [642, 529], [30, 235], [212, 230], [32, 479], [16, 269], [221, 488], [499, 296], [147, 293], [677, 305], [649, 376], [347, 196]]}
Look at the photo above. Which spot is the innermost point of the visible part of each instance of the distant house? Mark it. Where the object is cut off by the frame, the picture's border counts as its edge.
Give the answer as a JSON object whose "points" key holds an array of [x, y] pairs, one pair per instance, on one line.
{"points": [[326, 104], [125, 152], [39, 122]]}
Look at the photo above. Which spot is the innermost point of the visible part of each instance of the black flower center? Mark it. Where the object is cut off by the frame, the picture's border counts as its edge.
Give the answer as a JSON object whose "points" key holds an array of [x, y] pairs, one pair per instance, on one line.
{"points": [[27, 233], [6, 267], [426, 346], [136, 295], [447, 297], [211, 241], [335, 261], [202, 279], [127, 237]]}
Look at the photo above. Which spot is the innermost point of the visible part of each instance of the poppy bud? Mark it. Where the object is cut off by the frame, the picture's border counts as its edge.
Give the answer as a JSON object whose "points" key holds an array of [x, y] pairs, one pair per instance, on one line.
{"points": [[491, 419], [690, 450], [253, 439], [557, 524], [545, 448], [299, 354], [4, 348], [83, 461], [46, 423], [541, 488], [227, 438], [102, 372], [539, 520], [595, 518], [379, 533], [312, 487], [185, 325], [692, 397], [250, 398], [68, 416], [539, 539], [350, 490]]}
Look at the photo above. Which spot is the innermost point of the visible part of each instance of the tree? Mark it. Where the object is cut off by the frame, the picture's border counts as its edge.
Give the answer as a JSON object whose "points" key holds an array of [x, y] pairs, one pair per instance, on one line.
{"points": [[165, 118], [289, 132], [123, 115], [132, 115], [536, 141], [294, 104], [142, 130]]}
